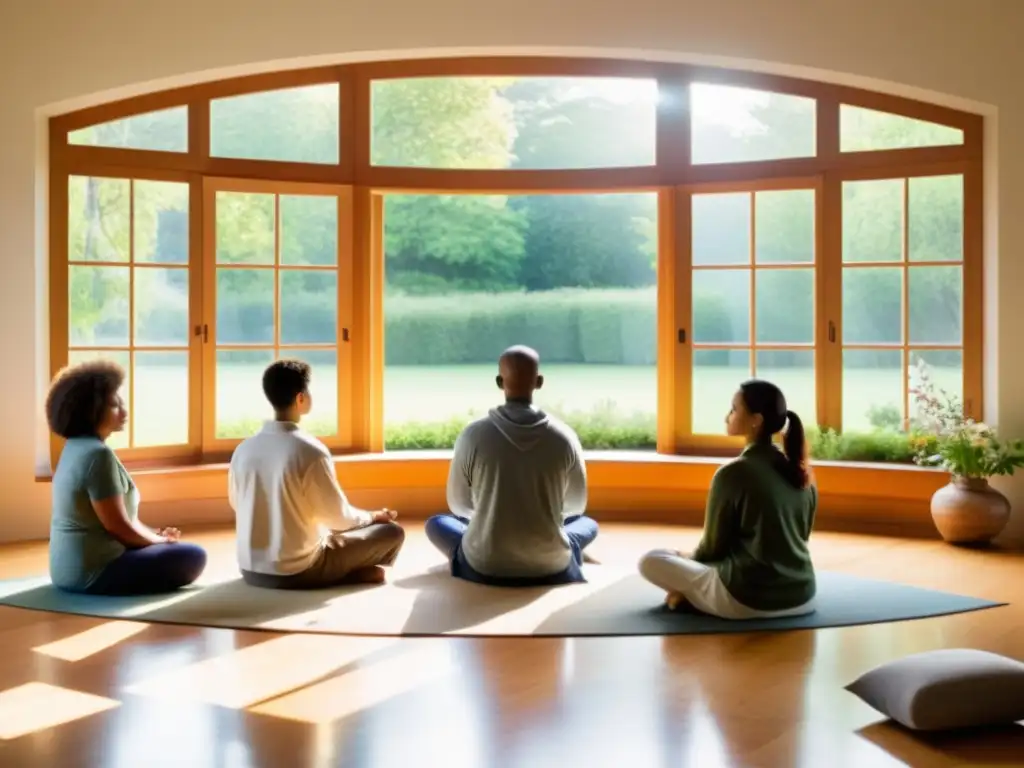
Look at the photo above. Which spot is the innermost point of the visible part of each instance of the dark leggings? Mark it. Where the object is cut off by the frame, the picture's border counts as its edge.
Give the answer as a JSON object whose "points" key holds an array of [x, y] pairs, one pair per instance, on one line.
{"points": [[151, 570]]}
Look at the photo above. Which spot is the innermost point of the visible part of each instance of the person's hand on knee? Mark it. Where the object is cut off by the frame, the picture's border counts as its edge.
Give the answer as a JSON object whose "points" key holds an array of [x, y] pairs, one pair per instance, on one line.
{"points": [[385, 516], [171, 534]]}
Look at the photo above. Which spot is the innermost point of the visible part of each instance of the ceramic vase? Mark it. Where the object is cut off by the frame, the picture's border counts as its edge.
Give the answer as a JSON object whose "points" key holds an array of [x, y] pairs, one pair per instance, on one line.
{"points": [[969, 511]]}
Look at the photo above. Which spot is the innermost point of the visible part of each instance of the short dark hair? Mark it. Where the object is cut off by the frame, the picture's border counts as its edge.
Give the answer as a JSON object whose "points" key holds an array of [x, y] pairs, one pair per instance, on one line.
{"points": [[285, 380], [78, 396]]}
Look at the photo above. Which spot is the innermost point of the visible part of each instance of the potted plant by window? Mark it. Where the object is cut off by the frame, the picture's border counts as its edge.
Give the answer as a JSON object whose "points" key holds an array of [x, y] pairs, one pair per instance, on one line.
{"points": [[968, 510]]}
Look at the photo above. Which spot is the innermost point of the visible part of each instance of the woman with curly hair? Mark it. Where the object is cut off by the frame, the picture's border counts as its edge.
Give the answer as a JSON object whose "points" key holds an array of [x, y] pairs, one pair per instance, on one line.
{"points": [[97, 544]]}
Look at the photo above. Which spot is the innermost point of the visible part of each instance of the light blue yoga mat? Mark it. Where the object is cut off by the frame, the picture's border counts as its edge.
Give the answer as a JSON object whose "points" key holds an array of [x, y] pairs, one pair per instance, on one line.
{"points": [[613, 602]]}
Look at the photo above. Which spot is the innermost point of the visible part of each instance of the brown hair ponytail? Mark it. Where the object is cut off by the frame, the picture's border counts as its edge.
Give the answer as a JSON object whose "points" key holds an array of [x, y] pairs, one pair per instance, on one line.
{"points": [[765, 399]]}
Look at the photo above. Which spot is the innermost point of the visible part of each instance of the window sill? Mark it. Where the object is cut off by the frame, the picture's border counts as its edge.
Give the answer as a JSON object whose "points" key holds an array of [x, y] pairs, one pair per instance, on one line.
{"points": [[624, 486], [617, 468]]}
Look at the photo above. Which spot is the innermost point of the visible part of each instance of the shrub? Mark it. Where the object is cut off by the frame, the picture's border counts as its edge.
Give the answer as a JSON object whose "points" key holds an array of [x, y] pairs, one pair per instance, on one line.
{"points": [[606, 429], [880, 445], [614, 327], [609, 326]]}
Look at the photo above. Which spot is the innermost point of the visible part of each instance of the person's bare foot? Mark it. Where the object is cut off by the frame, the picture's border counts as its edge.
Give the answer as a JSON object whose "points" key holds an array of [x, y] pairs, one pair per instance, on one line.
{"points": [[372, 575], [676, 602]]}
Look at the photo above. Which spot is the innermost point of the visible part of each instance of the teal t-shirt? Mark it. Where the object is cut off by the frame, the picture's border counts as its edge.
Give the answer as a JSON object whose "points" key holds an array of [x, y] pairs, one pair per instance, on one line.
{"points": [[80, 547]]}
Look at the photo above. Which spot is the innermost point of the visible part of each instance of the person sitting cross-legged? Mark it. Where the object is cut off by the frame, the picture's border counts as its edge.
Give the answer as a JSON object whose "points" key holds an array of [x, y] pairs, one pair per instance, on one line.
{"points": [[295, 529], [753, 560], [98, 545], [517, 491]]}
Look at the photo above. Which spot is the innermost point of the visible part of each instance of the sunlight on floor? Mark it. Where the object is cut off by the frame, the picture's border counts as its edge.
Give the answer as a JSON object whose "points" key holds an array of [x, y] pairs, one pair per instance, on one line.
{"points": [[364, 687], [91, 641], [146, 607], [260, 672], [37, 706]]}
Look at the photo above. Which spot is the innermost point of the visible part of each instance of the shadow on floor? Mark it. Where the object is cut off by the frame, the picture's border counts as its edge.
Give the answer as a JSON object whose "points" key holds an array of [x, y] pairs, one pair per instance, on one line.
{"points": [[982, 746], [231, 603]]}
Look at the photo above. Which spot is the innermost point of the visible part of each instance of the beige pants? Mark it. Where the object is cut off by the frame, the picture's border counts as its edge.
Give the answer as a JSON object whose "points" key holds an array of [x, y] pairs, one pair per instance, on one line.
{"points": [[701, 586], [345, 553]]}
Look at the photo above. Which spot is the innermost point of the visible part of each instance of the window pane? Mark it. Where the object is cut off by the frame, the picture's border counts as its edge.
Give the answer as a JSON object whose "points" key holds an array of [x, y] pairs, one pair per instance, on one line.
{"points": [[160, 415], [944, 369], [732, 125], [245, 228], [572, 276], [785, 226], [717, 374], [161, 222], [721, 228], [721, 306], [792, 371], [936, 218], [241, 407], [873, 220], [936, 305], [513, 122], [309, 306], [164, 131], [863, 129], [872, 389], [297, 125], [98, 214], [785, 306], [323, 418], [245, 306], [873, 305], [161, 307], [309, 230], [118, 440], [98, 306]]}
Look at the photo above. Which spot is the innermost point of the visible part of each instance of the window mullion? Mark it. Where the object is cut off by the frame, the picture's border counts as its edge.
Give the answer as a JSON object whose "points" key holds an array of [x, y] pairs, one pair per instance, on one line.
{"points": [[828, 302]]}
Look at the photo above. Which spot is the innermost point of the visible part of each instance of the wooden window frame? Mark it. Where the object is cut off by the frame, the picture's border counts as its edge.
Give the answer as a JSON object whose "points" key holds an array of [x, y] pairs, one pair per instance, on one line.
{"points": [[686, 440], [971, 264], [60, 347], [212, 447], [671, 175]]}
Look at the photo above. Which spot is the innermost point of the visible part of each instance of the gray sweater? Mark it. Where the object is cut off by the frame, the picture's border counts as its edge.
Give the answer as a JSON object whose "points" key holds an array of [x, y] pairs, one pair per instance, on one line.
{"points": [[517, 474]]}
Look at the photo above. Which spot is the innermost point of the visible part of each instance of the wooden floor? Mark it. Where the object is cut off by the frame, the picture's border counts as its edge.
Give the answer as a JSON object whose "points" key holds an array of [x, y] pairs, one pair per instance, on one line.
{"points": [[76, 691]]}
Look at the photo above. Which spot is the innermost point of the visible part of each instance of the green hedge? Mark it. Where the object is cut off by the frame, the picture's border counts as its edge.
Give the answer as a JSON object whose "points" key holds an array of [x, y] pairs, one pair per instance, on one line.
{"points": [[596, 326], [612, 327], [602, 433], [604, 430]]}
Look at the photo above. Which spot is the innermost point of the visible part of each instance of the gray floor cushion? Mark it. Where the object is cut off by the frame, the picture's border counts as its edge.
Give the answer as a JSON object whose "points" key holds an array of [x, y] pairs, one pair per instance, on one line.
{"points": [[946, 689]]}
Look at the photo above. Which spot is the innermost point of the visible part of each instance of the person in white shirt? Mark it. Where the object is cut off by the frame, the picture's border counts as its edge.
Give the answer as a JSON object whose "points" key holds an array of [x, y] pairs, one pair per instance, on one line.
{"points": [[517, 490], [295, 529]]}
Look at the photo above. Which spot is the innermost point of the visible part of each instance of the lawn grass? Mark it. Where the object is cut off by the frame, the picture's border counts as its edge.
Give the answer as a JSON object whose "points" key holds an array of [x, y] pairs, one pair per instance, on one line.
{"points": [[610, 406]]}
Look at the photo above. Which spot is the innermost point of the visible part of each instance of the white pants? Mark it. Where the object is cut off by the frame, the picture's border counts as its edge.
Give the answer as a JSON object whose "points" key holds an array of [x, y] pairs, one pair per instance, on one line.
{"points": [[702, 587]]}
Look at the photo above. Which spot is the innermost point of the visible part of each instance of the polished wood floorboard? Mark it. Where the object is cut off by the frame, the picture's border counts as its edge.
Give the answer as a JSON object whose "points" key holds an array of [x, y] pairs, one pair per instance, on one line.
{"points": [[76, 691]]}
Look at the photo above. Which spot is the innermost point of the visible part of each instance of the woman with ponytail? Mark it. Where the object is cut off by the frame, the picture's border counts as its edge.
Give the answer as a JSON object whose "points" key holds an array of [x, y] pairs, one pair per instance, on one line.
{"points": [[752, 561]]}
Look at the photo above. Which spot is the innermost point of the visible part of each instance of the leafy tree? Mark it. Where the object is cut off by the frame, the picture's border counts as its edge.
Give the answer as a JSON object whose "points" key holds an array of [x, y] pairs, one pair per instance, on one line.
{"points": [[441, 122], [439, 244], [165, 130], [443, 242]]}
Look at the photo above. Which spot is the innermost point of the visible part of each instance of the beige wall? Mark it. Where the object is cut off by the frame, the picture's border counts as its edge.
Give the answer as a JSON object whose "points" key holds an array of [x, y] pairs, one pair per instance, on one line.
{"points": [[59, 54]]}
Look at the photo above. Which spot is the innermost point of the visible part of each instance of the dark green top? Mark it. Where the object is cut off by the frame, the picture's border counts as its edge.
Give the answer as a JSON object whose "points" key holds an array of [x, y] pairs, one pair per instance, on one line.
{"points": [[80, 547], [755, 532]]}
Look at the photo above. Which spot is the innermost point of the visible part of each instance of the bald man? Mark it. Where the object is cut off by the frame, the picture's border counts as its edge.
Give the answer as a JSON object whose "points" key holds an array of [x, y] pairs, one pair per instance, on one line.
{"points": [[517, 490]]}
